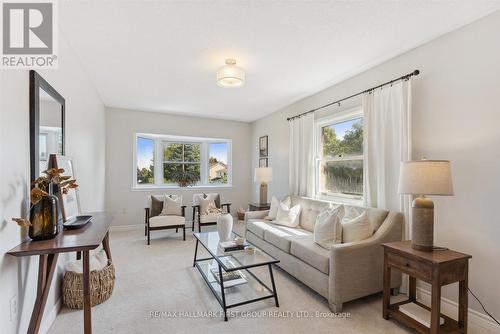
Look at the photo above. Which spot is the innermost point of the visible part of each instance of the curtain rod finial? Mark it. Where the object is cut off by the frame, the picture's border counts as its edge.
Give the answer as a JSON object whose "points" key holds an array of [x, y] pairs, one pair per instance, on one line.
{"points": [[416, 72]]}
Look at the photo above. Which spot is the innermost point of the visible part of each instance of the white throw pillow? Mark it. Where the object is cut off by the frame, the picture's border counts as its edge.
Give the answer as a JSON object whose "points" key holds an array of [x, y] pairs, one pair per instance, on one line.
{"points": [[275, 203], [288, 216], [356, 229], [172, 206], [206, 205], [328, 227]]}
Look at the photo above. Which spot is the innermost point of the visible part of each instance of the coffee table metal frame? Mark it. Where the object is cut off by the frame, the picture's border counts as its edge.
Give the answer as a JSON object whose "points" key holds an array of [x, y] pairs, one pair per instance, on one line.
{"points": [[222, 267]]}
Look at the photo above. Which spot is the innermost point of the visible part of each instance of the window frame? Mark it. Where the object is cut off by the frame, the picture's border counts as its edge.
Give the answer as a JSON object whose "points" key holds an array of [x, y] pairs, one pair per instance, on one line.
{"points": [[346, 115], [160, 141]]}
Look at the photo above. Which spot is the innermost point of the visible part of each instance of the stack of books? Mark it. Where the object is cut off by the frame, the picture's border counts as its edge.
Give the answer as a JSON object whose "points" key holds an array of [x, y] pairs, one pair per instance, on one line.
{"points": [[231, 246], [231, 278]]}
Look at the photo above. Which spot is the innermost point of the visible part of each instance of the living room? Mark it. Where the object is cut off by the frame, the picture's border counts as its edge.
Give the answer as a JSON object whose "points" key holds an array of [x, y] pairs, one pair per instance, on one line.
{"points": [[251, 166]]}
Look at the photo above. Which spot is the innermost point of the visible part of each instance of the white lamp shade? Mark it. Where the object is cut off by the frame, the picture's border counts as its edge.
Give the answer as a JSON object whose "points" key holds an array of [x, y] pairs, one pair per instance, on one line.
{"points": [[263, 174], [230, 75], [425, 177]]}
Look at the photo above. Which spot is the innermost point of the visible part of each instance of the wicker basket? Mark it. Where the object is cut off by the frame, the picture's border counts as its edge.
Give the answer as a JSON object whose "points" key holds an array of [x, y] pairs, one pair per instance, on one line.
{"points": [[102, 283]]}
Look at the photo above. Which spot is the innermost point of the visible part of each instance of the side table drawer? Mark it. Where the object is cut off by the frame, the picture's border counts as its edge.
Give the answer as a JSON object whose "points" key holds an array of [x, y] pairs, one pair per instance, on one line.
{"points": [[413, 268]]}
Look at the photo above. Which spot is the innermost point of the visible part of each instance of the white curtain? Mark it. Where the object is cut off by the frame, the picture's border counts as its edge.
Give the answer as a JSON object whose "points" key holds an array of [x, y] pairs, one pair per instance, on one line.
{"points": [[387, 133], [301, 165]]}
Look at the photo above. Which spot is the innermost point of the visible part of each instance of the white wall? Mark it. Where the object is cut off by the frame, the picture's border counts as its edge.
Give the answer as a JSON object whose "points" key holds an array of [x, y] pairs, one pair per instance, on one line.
{"points": [[121, 125], [84, 143], [456, 117]]}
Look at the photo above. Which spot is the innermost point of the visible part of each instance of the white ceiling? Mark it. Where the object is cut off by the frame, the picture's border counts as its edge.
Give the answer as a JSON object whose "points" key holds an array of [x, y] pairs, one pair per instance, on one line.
{"points": [[163, 55]]}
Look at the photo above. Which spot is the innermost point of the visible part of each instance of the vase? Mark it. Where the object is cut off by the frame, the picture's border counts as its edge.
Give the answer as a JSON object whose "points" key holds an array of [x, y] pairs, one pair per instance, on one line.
{"points": [[44, 218], [225, 226]]}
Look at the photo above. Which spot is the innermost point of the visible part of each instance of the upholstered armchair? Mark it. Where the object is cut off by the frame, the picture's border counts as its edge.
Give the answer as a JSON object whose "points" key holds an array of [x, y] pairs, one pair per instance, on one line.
{"points": [[159, 218], [202, 217]]}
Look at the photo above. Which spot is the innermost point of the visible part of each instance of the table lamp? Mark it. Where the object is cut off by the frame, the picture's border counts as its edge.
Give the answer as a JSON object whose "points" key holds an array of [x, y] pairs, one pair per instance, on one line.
{"points": [[263, 175], [424, 177]]}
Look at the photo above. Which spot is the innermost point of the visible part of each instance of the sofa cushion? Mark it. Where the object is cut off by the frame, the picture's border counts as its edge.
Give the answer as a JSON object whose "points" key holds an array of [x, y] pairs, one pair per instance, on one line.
{"points": [[258, 226], [375, 216], [281, 236], [311, 253], [310, 209], [166, 221]]}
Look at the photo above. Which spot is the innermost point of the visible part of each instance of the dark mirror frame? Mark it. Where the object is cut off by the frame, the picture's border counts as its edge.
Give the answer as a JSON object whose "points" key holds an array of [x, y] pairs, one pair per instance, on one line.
{"points": [[37, 82]]}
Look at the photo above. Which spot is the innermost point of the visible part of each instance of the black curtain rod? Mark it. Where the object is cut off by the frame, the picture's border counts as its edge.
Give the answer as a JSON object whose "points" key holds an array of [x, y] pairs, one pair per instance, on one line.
{"points": [[404, 77]]}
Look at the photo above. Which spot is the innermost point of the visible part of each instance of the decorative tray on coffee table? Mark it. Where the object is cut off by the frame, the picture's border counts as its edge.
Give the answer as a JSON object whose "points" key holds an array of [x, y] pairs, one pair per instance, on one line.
{"points": [[77, 222]]}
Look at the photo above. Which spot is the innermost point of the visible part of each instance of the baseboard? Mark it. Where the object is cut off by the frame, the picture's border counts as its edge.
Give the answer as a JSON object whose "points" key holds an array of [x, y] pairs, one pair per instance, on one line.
{"points": [[478, 322], [49, 317]]}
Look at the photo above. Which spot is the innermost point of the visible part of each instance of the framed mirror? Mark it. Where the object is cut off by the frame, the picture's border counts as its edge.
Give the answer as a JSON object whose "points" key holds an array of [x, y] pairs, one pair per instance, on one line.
{"points": [[47, 109]]}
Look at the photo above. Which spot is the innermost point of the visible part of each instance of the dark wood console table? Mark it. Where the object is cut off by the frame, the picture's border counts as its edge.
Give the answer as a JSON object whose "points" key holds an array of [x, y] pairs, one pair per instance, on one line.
{"points": [[81, 241]]}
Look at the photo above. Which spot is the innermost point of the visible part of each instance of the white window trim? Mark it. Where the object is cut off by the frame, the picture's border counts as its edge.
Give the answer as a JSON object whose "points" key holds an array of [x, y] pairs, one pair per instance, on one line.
{"points": [[158, 162], [319, 124]]}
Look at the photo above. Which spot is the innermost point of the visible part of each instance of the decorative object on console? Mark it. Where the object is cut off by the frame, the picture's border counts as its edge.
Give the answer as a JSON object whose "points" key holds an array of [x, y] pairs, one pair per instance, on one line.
{"points": [[230, 75], [70, 203], [44, 210], [225, 226], [424, 177], [263, 146], [263, 175]]}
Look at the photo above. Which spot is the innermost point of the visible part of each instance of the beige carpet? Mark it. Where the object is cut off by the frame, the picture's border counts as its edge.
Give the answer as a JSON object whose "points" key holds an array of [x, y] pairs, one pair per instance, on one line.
{"points": [[160, 278]]}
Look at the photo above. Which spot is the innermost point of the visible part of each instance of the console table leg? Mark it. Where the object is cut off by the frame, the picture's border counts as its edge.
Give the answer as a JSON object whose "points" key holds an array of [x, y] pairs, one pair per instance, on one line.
{"points": [[87, 316], [46, 269], [105, 245]]}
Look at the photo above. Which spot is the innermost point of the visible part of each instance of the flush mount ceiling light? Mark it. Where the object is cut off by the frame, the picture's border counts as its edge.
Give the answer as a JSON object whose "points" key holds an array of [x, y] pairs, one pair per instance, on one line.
{"points": [[230, 75]]}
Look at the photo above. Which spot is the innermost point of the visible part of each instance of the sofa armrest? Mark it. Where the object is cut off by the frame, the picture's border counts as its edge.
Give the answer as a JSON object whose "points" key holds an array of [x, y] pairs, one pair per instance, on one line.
{"points": [[356, 269], [255, 214]]}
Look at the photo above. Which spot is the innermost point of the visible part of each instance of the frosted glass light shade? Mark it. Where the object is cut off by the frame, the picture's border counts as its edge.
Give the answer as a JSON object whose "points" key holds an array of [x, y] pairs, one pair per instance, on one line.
{"points": [[263, 174], [425, 177], [230, 75]]}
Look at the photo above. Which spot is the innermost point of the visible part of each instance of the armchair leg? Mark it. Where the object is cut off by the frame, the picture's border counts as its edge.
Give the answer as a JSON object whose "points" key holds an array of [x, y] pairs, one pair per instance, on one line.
{"points": [[145, 230], [176, 230], [184, 233], [148, 237], [199, 227], [192, 226]]}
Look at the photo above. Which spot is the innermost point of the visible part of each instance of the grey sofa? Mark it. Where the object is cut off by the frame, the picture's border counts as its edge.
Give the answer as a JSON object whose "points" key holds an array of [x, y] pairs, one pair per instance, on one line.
{"points": [[343, 273]]}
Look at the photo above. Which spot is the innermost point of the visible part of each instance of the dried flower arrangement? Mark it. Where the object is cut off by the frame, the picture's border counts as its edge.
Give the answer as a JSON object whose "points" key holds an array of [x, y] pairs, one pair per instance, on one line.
{"points": [[42, 186]]}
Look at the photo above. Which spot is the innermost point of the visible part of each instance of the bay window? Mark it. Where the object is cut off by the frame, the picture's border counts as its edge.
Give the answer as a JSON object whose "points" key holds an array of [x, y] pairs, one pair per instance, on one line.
{"points": [[160, 159]]}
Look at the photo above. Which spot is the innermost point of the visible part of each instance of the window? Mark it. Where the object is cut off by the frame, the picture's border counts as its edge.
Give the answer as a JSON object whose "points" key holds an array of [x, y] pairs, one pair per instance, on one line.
{"points": [[205, 162], [181, 158], [340, 152], [217, 169], [145, 161]]}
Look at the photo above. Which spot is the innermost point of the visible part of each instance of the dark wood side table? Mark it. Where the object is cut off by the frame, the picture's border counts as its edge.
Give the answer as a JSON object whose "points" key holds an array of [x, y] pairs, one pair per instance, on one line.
{"points": [[259, 206], [438, 268], [81, 240]]}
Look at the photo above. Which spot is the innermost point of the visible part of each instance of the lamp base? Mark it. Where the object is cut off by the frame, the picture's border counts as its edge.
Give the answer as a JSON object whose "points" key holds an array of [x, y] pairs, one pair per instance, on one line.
{"points": [[263, 193], [422, 229]]}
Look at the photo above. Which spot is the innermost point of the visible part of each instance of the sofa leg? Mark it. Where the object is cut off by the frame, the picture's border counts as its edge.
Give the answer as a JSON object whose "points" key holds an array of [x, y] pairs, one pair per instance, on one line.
{"points": [[335, 308], [395, 291]]}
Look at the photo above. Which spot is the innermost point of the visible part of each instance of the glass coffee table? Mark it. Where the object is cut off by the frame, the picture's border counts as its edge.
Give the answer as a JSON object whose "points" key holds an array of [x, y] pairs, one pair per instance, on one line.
{"points": [[238, 285]]}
